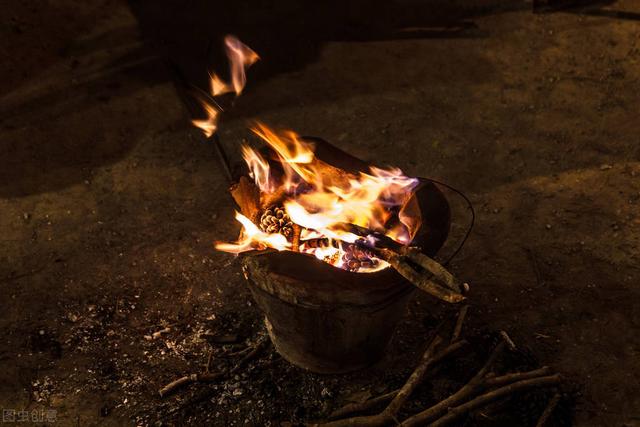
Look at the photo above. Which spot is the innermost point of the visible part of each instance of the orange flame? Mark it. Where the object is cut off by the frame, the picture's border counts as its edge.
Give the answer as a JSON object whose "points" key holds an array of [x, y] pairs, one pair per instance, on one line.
{"points": [[217, 86], [259, 169], [295, 155], [252, 238], [368, 200], [323, 201], [210, 124], [240, 57]]}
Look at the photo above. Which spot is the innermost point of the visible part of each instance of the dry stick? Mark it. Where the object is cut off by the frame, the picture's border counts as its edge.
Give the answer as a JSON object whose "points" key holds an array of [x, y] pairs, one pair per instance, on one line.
{"points": [[173, 385], [492, 396], [514, 377], [413, 381], [458, 328], [455, 345], [387, 416], [452, 348], [189, 379], [412, 253], [465, 392], [419, 279], [239, 352], [356, 408], [435, 268], [505, 336], [448, 289], [478, 383], [548, 410], [256, 349]]}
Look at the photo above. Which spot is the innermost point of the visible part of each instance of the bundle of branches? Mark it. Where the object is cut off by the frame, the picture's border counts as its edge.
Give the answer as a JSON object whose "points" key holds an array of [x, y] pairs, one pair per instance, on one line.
{"points": [[483, 389]]}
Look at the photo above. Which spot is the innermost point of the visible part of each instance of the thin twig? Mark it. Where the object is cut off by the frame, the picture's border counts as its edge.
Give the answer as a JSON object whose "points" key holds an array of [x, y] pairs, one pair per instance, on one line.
{"points": [[431, 277], [259, 345], [414, 380], [395, 402], [388, 416], [551, 406], [497, 350], [458, 328], [494, 395], [517, 376], [239, 352], [480, 381], [505, 336], [422, 280], [464, 393], [189, 379], [452, 348], [176, 384], [367, 405], [358, 408]]}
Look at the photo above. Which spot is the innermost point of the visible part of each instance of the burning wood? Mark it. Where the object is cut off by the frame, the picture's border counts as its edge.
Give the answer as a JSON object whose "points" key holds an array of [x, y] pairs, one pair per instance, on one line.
{"points": [[342, 218], [361, 222]]}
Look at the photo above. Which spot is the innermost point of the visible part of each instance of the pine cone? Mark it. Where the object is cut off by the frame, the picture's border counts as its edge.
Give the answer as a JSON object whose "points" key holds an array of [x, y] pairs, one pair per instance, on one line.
{"points": [[275, 220], [355, 258]]}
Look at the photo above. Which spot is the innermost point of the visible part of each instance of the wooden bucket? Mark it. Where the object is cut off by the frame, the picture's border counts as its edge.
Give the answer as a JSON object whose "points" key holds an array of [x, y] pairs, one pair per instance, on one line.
{"points": [[329, 320]]}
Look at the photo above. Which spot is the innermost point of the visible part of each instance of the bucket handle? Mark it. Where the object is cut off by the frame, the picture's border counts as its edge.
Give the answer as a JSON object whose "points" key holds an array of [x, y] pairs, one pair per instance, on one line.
{"points": [[471, 222]]}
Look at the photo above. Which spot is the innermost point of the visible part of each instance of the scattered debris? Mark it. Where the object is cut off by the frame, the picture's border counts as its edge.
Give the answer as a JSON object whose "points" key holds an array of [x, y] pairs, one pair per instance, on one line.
{"points": [[213, 376], [157, 334]]}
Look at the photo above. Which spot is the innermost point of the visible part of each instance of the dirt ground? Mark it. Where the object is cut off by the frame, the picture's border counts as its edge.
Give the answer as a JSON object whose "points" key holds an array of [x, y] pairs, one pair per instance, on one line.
{"points": [[110, 200]]}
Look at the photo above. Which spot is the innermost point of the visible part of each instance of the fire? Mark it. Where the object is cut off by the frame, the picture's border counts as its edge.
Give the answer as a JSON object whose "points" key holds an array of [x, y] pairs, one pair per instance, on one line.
{"points": [[308, 205], [324, 207], [252, 238], [240, 57]]}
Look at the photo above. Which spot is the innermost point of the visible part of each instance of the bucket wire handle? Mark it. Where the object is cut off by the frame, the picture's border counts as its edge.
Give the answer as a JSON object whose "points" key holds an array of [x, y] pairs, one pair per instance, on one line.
{"points": [[471, 223]]}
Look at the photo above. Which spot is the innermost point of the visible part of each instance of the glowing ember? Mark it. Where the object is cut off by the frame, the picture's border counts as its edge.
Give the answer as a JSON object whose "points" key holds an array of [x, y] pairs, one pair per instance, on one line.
{"points": [[324, 204]]}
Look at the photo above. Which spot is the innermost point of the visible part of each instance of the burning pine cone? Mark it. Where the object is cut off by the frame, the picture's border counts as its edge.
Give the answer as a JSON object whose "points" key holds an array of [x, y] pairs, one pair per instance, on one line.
{"points": [[275, 220], [355, 258]]}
